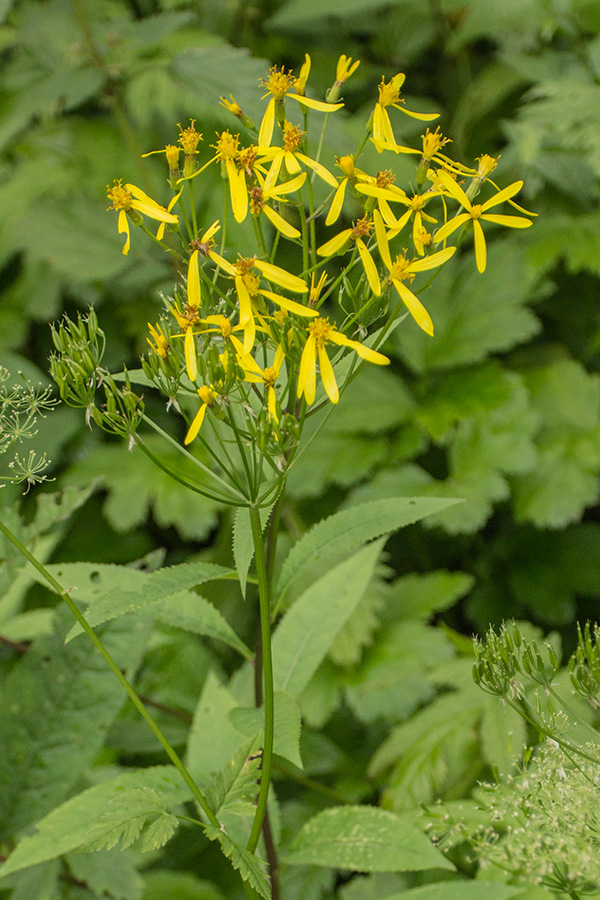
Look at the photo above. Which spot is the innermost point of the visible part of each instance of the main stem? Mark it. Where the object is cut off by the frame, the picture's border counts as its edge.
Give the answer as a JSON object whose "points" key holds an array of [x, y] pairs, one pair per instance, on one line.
{"points": [[131, 693], [267, 667]]}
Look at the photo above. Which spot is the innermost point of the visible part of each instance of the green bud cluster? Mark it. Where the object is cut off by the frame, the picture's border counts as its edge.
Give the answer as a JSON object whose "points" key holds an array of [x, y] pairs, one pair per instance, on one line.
{"points": [[503, 658], [584, 665], [76, 369]]}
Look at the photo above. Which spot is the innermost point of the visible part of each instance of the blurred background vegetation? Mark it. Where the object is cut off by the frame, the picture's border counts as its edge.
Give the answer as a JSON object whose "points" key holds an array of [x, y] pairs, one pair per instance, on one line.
{"points": [[501, 407]]}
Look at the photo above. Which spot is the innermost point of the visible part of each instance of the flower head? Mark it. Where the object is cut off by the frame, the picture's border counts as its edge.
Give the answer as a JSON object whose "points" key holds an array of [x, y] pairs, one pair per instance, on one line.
{"points": [[128, 200], [403, 270], [207, 396], [389, 95], [279, 84], [361, 230], [475, 213], [320, 332]]}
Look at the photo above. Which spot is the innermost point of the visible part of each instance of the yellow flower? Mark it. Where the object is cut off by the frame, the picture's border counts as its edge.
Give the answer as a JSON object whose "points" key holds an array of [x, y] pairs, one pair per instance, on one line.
{"points": [[129, 200], [227, 151], [247, 285], [161, 345], [208, 397], [233, 107], [172, 155], [415, 206], [474, 213], [361, 229], [389, 95], [314, 294], [344, 69], [320, 332], [260, 195], [352, 175], [402, 269], [292, 157], [279, 84], [267, 376], [189, 139], [300, 81]]}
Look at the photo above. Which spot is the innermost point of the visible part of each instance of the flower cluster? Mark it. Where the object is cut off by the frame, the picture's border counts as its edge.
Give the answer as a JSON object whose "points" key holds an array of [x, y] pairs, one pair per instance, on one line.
{"points": [[244, 338]]}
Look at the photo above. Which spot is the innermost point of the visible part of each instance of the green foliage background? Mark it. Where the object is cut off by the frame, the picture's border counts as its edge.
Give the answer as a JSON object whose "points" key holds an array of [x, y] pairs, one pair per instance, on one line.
{"points": [[501, 408]]}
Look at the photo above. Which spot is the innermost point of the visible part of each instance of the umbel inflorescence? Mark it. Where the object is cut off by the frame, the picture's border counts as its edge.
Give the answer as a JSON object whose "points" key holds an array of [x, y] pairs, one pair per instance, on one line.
{"points": [[245, 340]]}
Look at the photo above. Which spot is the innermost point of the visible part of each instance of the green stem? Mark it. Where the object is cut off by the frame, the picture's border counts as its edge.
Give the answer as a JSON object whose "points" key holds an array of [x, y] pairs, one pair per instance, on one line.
{"points": [[131, 693], [268, 691]]}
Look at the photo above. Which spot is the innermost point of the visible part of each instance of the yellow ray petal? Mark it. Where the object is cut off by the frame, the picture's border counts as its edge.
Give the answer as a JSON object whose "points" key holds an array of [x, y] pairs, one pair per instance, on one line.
{"points": [[327, 376], [369, 267], [280, 223], [284, 279]]}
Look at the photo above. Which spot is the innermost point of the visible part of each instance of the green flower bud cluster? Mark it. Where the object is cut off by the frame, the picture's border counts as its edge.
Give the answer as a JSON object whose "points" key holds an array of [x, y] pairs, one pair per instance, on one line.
{"points": [[584, 665], [505, 657], [76, 368]]}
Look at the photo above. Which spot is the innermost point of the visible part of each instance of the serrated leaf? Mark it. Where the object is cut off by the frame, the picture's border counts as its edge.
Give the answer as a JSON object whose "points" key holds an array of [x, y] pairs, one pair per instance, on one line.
{"points": [[350, 528], [419, 596], [58, 703], [135, 486], [243, 544], [233, 789], [130, 813], [63, 830], [108, 872], [364, 839], [212, 737], [475, 314], [392, 679], [155, 586], [249, 866], [308, 629], [287, 725], [193, 613], [565, 479], [429, 748]]}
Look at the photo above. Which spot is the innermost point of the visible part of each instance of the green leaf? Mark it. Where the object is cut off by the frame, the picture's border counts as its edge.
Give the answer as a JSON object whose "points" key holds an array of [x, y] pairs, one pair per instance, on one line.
{"points": [[306, 13], [161, 883], [392, 679], [64, 829], [53, 692], [565, 479], [419, 596], [463, 394], [287, 725], [250, 867], [108, 872], [212, 738], [430, 750], [135, 486], [125, 819], [308, 629], [491, 315], [350, 528], [460, 889], [364, 839], [155, 586], [192, 612], [243, 544], [233, 789]]}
